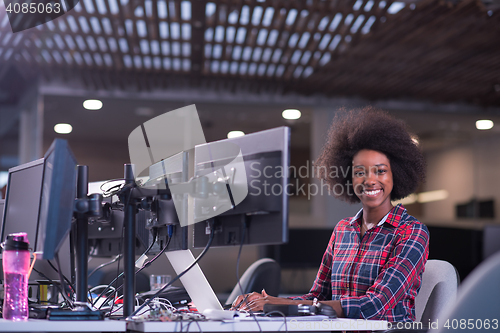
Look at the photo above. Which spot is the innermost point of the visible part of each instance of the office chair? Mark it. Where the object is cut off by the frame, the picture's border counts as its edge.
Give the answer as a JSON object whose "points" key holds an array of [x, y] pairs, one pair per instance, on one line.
{"points": [[478, 299], [491, 245], [439, 288], [263, 274]]}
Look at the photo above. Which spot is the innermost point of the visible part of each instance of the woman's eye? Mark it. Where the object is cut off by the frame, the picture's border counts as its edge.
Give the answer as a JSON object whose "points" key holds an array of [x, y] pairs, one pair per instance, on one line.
{"points": [[359, 173], [380, 172]]}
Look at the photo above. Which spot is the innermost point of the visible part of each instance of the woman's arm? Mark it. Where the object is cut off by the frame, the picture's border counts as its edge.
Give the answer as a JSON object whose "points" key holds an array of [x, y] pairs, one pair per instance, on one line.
{"points": [[400, 276], [321, 288], [257, 304]]}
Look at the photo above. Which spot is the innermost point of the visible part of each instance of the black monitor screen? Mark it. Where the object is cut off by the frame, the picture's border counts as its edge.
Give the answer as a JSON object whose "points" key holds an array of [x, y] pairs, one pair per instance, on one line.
{"points": [[20, 214], [23, 200], [58, 197], [264, 211]]}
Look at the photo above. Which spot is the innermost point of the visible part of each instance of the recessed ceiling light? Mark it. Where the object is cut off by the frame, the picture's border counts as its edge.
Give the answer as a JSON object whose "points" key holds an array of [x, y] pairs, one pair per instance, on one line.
{"points": [[484, 124], [291, 114], [92, 104], [63, 128], [235, 134]]}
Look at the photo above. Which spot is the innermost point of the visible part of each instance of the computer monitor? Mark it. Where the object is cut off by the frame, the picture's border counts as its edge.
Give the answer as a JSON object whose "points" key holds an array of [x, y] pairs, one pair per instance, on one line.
{"points": [[57, 200], [20, 214], [163, 217], [22, 200], [264, 210]]}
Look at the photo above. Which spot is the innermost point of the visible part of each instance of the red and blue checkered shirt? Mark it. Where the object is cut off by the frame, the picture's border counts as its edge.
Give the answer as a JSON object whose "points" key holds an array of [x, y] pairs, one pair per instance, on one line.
{"points": [[377, 276]]}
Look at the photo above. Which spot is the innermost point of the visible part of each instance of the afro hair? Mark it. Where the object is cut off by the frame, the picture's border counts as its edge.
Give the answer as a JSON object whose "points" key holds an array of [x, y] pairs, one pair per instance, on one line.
{"points": [[369, 128]]}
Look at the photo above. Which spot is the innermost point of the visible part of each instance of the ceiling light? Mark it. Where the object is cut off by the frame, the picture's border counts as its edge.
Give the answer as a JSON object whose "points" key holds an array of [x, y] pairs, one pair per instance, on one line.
{"points": [[432, 196], [63, 128], [484, 124], [92, 104], [411, 199], [234, 134], [291, 114]]}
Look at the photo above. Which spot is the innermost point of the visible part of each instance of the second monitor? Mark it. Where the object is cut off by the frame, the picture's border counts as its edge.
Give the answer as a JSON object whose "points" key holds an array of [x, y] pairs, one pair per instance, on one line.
{"points": [[263, 215]]}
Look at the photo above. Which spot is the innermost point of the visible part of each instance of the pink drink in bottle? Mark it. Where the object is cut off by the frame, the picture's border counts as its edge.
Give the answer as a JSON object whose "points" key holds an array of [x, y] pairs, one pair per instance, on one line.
{"points": [[16, 267]]}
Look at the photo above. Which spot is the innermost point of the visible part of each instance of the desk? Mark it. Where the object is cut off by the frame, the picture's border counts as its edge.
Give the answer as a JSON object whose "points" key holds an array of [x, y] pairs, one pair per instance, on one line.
{"points": [[277, 325], [294, 324], [43, 325]]}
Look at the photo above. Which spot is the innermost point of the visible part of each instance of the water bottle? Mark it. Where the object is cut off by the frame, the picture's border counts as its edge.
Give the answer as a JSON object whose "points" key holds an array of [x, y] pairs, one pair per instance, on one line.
{"points": [[16, 267]]}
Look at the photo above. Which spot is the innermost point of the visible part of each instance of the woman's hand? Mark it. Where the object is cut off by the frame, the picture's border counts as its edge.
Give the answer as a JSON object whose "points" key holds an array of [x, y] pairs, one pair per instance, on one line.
{"points": [[257, 303], [242, 300]]}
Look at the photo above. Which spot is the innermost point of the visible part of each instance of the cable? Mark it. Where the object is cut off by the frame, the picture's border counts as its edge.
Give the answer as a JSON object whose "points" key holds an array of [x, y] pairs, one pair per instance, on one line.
{"points": [[170, 229], [118, 256], [122, 240], [107, 192], [46, 278], [181, 274], [281, 314], [140, 269], [147, 264], [63, 286], [104, 265], [65, 278], [193, 321]]}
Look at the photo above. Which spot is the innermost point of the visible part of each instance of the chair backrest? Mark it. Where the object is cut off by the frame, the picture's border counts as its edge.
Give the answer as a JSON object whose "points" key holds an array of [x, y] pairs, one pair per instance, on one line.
{"points": [[478, 299], [439, 288], [263, 274], [491, 245]]}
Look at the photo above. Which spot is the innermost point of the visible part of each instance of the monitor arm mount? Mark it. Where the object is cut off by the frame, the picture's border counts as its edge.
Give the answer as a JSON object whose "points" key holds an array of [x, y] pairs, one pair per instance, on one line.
{"points": [[86, 206]]}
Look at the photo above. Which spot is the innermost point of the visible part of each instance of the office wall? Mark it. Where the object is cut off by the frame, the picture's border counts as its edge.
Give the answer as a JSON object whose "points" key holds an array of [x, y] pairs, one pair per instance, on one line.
{"points": [[326, 210], [466, 171], [104, 158]]}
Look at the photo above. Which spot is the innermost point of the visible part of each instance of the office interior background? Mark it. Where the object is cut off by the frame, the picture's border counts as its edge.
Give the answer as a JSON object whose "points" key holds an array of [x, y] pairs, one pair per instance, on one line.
{"points": [[434, 64]]}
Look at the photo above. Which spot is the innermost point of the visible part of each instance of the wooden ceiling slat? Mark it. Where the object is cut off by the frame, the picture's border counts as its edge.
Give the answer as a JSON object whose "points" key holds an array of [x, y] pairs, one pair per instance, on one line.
{"points": [[116, 56], [237, 6], [437, 51], [279, 25]]}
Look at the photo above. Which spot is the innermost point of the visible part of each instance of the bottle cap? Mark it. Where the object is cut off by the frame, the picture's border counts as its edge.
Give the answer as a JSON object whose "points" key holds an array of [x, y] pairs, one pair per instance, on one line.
{"points": [[17, 242]]}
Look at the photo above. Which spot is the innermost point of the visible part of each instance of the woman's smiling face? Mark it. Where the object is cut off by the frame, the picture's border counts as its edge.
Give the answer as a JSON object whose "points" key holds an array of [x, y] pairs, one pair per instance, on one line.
{"points": [[372, 178]]}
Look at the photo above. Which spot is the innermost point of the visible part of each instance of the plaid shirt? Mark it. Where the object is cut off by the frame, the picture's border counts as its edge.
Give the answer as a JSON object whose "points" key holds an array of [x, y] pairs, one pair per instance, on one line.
{"points": [[379, 275]]}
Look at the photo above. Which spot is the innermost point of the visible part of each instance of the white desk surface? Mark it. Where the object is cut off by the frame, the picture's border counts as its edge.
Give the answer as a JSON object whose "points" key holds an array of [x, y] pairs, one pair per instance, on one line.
{"points": [[43, 325], [276, 325]]}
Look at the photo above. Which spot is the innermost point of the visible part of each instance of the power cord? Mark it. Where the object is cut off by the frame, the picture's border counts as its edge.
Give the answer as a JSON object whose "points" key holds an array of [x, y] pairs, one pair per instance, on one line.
{"points": [[65, 278], [147, 264], [63, 285], [281, 314], [104, 265]]}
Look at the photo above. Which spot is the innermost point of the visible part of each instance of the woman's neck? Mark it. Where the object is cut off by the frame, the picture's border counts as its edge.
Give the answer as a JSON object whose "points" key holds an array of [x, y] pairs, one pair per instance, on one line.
{"points": [[372, 216]]}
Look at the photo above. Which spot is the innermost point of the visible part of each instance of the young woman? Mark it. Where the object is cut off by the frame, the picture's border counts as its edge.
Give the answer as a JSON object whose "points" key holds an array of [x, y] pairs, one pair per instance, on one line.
{"points": [[373, 265]]}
